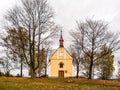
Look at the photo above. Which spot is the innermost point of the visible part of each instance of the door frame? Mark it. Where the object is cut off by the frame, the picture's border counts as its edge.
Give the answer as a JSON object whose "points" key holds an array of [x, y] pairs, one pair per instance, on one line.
{"points": [[61, 73]]}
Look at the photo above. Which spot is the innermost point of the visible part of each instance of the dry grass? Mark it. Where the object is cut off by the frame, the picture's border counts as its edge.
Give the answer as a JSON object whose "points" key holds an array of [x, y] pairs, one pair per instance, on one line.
{"points": [[14, 83]]}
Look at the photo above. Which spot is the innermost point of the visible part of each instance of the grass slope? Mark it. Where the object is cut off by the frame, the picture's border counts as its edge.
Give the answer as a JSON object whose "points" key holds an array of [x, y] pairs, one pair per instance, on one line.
{"points": [[13, 83]]}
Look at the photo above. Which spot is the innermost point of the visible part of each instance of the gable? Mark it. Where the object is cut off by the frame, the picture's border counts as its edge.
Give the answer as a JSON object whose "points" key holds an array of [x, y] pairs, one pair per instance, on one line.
{"points": [[61, 53]]}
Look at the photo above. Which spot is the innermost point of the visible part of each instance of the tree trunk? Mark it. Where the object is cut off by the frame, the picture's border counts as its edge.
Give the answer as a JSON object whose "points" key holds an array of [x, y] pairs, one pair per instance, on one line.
{"points": [[90, 69], [77, 75], [21, 68], [8, 73], [46, 69], [33, 74]]}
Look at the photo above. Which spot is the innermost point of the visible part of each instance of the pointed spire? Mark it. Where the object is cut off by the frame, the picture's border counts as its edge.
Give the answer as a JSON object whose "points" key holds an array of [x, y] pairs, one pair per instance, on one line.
{"points": [[61, 40]]}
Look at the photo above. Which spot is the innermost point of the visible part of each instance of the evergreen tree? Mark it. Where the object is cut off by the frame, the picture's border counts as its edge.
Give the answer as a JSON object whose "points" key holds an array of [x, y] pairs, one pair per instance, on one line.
{"points": [[42, 60], [105, 64]]}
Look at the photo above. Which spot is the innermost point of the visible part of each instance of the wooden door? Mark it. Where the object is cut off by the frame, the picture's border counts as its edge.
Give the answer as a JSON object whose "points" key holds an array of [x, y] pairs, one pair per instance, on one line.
{"points": [[61, 74]]}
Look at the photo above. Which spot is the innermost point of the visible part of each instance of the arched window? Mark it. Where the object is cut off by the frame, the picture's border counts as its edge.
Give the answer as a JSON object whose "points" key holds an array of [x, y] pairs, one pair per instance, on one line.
{"points": [[61, 64]]}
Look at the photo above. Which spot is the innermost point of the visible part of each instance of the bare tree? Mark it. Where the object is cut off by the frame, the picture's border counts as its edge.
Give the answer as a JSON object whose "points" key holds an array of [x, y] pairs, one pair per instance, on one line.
{"points": [[92, 35], [35, 17], [8, 65], [48, 52], [77, 57]]}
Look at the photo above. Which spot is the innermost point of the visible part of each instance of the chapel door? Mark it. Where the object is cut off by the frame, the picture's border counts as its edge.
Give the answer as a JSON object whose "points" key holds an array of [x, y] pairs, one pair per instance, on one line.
{"points": [[61, 74]]}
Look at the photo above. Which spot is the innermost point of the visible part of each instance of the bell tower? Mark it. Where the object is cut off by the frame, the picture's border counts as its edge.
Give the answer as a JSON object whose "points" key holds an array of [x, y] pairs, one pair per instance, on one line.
{"points": [[61, 40]]}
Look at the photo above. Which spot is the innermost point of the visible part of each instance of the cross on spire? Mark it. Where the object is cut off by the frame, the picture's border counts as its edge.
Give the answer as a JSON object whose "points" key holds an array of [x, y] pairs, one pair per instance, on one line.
{"points": [[61, 31], [61, 40]]}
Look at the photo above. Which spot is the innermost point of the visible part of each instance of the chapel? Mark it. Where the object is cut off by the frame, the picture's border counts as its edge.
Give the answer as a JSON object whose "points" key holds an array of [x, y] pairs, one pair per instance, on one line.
{"points": [[61, 61]]}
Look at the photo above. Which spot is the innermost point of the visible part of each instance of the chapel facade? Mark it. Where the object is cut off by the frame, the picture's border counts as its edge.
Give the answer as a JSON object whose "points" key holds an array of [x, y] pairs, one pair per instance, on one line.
{"points": [[61, 62]]}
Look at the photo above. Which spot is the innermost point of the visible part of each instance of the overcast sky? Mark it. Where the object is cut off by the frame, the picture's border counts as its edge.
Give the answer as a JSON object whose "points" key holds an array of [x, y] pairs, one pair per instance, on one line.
{"points": [[68, 11]]}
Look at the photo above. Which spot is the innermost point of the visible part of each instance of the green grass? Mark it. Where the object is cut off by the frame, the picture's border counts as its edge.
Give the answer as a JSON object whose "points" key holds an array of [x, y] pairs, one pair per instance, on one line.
{"points": [[13, 83]]}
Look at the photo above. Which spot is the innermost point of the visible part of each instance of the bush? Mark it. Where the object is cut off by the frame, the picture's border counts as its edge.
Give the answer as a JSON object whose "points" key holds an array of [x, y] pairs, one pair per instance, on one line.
{"points": [[2, 74]]}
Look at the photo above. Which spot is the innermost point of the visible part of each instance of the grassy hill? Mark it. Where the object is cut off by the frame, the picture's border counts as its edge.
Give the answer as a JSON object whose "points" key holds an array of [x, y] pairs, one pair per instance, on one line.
{"points": [[14, 83]]}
